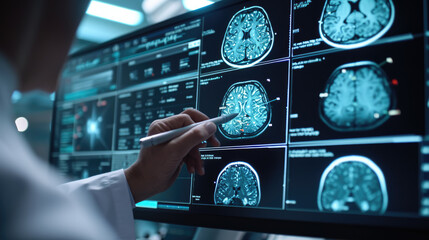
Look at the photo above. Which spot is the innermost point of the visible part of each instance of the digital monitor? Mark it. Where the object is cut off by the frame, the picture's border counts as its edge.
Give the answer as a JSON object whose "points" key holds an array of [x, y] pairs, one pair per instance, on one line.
{"points": [[332, 102]]}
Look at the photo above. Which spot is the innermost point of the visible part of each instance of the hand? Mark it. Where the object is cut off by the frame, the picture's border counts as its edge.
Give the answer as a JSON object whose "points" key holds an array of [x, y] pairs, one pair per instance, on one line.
{"points": [[157, 167]]}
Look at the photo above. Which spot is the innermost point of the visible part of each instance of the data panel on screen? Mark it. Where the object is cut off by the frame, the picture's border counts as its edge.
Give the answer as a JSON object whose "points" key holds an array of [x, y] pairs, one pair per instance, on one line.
{"points": [[87, 84], [241, 178], [80, 167], [360, 93], [355, 179], [245, 34], [257, 94], [165, 64], [344, 24], [138, 109]]}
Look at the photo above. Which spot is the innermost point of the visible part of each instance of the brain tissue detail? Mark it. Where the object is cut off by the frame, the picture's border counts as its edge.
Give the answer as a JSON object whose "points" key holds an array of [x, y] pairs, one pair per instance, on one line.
{"points": [[250, 100], [357, 97], [355, 23], [352, 184], [248, 39], [238, 185]]}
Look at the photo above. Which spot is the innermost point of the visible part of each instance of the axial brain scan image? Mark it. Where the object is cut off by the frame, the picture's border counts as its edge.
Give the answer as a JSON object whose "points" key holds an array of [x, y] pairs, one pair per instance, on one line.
{"points": [[352, 184], [238, 185], [355, 23], [357, 97], [249, 99], [248, 39]]}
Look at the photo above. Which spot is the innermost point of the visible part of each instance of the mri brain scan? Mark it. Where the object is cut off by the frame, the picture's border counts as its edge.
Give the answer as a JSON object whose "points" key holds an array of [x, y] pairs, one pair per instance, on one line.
{"points": [[355, 23], [250, 101], [357, 97], [352, 184], [248, 39], [238, 185]]}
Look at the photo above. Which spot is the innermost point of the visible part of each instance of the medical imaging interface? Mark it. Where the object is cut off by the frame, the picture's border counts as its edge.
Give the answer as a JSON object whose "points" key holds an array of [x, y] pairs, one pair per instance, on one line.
{"points": [[331, 99]]}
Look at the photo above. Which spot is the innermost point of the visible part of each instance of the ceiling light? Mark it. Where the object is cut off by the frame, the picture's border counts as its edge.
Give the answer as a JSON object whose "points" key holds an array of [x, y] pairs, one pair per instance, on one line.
{"points": [[168, 11], [195, 4], [21, 124], [150, 6], [114, 13]]}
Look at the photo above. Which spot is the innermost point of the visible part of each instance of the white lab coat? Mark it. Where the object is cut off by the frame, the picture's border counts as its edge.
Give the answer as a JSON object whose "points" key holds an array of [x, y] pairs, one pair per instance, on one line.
{"points": [[32, 206]]}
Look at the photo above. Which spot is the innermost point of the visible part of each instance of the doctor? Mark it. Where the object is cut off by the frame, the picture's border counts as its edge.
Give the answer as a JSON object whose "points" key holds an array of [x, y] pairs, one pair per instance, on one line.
{"points": [[34, 42]]}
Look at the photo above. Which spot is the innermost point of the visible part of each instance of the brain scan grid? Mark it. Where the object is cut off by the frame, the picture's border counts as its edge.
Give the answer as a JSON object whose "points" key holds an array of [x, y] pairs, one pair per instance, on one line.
{"points": [[238, 184], [355, 23], [352, 183], [248, 38], [357, 97], [249, 99]]}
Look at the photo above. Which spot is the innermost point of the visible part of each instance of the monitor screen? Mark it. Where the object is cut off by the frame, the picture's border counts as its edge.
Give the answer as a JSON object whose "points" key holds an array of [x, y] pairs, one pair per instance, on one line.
{"points": [[332, 125]]}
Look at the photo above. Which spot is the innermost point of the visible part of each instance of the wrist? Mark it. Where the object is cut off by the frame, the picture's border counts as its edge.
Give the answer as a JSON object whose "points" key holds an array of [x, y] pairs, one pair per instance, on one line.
{"points": [[139, 185]]}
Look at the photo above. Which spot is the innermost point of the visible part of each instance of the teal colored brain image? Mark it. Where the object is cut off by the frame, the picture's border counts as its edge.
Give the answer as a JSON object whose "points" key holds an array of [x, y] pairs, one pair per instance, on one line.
{"points": [[250, 100], [355, 23], [248, 39], [353, 184], [357, 97], [238, 185]]}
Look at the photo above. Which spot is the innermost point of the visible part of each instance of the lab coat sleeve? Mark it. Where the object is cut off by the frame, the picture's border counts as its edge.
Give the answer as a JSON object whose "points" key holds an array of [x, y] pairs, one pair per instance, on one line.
{"points": [[111, 194]]}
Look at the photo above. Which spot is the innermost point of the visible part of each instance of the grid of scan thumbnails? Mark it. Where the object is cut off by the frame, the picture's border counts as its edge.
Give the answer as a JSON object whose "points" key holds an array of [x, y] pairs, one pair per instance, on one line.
{"points": [[330, 97]]}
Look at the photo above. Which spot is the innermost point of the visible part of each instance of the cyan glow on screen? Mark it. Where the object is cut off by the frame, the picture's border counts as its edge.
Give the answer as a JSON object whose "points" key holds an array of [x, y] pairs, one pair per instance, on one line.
{"points": [[92, 127], [52, 96], [16, 96], [114, 13], [195, 4], [147, 204]]}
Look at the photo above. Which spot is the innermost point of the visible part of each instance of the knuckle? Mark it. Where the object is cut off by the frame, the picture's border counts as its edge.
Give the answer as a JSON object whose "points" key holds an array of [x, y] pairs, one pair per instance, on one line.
{"points": [[199, 133], [188, 111], [185, 117], [155, 127], [155, 123]]}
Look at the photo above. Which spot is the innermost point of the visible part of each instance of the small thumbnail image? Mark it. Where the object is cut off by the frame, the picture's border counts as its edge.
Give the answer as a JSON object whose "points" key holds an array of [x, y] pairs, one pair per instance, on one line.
{"points": [[375, 91], [321, 25], [359, 179], [94, 125], [258, 95], [243, 35], [241, 178]]}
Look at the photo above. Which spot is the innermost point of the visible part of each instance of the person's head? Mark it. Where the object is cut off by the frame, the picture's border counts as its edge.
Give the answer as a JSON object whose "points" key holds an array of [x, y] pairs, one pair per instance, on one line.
{"points": [[36, 37]]}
